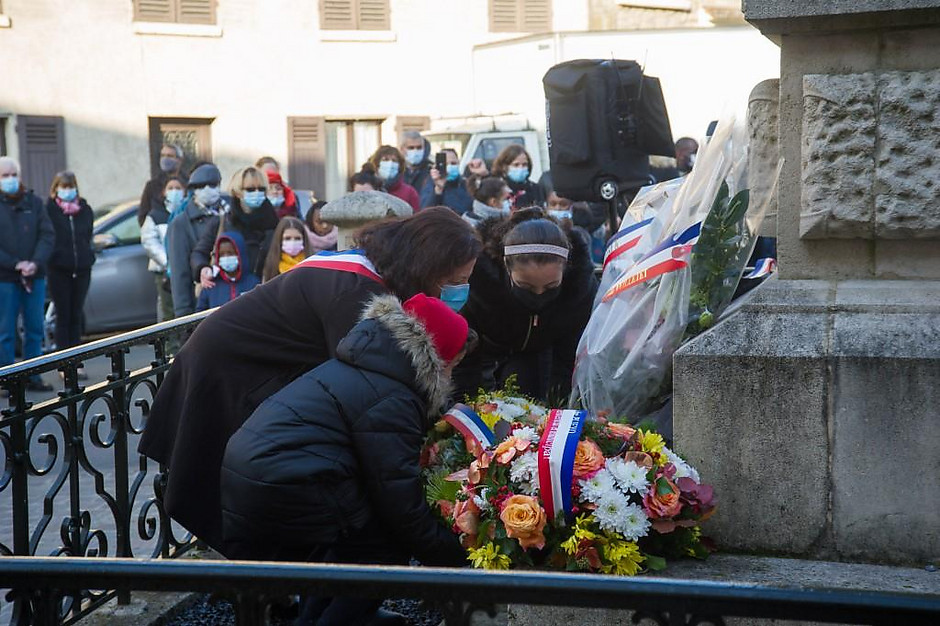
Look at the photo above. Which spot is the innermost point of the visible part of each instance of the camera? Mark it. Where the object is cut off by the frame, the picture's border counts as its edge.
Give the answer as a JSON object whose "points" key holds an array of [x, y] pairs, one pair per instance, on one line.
{"points": [[440, 164]]}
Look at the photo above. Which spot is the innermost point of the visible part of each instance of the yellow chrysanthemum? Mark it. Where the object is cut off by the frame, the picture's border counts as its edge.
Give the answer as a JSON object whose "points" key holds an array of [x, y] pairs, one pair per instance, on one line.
{"points": [[579, 533], [652, 442], [621, 558], [489, 419], [488, 556]]}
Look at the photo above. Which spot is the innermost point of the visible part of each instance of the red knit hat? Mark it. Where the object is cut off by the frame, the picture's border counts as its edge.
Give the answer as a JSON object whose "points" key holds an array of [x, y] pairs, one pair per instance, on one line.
{"points": [[448, 330]]}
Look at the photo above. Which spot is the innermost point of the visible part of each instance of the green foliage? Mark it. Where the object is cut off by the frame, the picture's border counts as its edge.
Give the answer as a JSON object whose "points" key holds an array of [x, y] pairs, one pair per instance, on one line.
{"points": [[439, 488]]}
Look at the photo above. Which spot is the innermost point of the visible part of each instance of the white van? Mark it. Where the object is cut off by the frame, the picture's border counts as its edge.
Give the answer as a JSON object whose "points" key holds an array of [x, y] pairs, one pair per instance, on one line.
{"points": [[485, 138]]}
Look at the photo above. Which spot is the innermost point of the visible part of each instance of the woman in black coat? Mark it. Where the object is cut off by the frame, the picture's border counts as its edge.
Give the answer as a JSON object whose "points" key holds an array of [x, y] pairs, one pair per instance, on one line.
{"points": [[514, 165], [528, 305], [261, 341], [72, 257]]}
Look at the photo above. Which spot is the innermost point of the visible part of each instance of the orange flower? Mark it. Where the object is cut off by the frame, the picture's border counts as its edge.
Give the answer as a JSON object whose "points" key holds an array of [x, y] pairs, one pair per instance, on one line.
{"points": [[621, 431], [662, 505], [588, 459], [475, 475], [640, 458], [524, 520], [510, 449], [467, 516]]}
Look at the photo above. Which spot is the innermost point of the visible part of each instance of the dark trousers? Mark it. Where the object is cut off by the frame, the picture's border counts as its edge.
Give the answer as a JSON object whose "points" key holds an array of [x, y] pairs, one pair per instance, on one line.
{"points": [[68, 291]]}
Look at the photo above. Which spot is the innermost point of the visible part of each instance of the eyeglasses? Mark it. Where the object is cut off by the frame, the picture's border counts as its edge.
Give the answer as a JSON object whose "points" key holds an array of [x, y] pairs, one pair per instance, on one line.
{"points": [[254, 189]]}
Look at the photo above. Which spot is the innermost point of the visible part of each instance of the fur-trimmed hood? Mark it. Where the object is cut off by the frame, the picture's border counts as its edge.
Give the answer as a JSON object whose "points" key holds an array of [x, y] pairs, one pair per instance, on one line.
{"points": [[390, 342]]}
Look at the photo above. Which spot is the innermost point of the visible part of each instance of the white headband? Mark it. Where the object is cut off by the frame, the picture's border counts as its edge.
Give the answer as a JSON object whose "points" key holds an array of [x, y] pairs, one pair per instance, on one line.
{"points": [[536, 248]]}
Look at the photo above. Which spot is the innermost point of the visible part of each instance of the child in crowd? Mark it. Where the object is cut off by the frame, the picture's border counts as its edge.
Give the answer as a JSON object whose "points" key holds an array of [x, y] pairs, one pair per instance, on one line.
{"points": [[323, 235], [232, 279], [327, 469], [290, 244]]}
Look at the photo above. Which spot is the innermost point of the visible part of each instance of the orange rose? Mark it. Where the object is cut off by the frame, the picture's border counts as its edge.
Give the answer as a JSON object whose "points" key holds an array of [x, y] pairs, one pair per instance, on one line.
{"points": [[659, 506], [621, 431], [524, 520], [467, 516], [509, 449], [640, 458], [588, 458]]}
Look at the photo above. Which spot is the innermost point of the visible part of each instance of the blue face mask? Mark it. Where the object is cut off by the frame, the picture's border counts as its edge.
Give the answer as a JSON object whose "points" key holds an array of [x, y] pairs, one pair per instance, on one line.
{"points": [[276, 200], [518, 174], [388, 170], [10, 185], [414, 157], [174, 198], [507, 206], [455, 296], [560, 215], [253, 199], [228, 264], [67, 195], [453, 171]]}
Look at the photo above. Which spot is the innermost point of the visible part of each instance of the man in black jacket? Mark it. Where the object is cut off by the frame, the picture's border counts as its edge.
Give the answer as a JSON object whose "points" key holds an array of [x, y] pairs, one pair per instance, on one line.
{"points": [[327, 468]]}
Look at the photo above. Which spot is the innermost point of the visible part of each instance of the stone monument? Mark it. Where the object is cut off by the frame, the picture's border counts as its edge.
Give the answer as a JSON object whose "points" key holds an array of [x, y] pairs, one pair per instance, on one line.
{"points": [[357, 209]]}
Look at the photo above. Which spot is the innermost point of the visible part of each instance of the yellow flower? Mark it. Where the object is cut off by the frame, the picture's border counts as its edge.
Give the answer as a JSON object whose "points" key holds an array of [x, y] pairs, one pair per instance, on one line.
{"points": [[579, 533], [621, 557], [651, 442], [488, 557], [489, 419]]}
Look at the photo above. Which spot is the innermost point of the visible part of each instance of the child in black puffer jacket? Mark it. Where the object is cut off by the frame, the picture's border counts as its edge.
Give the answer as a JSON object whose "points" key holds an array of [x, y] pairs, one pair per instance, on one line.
{"points": [[327, 469]]}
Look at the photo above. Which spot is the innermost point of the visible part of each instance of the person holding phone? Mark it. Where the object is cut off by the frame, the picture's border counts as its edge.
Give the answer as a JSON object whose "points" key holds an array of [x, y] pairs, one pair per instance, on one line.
{"points": [[445, 186]]}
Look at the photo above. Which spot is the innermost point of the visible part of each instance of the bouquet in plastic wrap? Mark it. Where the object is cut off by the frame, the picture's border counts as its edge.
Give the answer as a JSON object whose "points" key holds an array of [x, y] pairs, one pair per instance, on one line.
{"points": [[676, 279]]}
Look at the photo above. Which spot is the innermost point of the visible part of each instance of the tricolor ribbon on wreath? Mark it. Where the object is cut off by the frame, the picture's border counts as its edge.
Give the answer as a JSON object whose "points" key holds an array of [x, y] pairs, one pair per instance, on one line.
{"points": [[762, 267], [625, 240], [669, 256], [556, 454], [474, 430]]}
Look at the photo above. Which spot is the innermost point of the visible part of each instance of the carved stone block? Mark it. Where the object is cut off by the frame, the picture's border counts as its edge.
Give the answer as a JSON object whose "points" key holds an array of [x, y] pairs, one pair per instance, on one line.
{"points": [[763, 155]]}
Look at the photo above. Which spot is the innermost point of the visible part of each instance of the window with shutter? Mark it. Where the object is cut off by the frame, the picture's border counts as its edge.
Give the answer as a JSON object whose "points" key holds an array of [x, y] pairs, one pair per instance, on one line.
{"points": [[196, 12], [42, 148], [179, 11], [154, 11], [520, 16], [306, 145], [355, 15]]}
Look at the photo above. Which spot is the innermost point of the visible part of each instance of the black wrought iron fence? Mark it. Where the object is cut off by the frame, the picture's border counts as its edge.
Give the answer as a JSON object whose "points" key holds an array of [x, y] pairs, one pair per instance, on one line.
{"points": [[70, 463]]}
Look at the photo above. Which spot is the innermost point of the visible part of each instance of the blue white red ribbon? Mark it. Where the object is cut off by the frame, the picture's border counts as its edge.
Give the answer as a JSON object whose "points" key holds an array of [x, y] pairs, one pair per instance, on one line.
{"points": [[762, 267], [469, 424], [354, 261], [624, 240], [669, 256], [556, 459]]}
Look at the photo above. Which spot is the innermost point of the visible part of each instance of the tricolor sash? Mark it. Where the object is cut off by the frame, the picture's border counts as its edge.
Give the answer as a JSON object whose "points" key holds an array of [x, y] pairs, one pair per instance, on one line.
{"points": [[354, 261], [556, 459], [669, 256], [624, 240], [469, 424], [762, 267]]}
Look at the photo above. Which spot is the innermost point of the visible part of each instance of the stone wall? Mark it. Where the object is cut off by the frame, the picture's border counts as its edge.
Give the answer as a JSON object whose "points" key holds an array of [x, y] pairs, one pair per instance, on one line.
{"points": [[764, 150]]}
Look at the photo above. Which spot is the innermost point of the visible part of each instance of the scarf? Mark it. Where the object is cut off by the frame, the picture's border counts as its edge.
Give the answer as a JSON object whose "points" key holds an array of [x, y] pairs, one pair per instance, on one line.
{"points": [[326, 242], [69, 208], [288, 261]]}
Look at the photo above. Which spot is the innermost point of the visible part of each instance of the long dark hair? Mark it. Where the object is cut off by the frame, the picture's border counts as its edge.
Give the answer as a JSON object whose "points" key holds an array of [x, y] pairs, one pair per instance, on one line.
{"points": [[507, 156], [532, 225], [273, 260], [485, 188], [415, 254]]}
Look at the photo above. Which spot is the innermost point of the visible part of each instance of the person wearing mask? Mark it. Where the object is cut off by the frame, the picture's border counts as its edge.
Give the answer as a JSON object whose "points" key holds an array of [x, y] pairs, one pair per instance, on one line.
{"points": [[416, 150], [153, 239], [251, 215], [321, 234], [171, 164], [27, 239], [515, 165], [327, 469], [285, 327], [187, 225], [365, 180], [232, 279], [531, 295], [281, 197], [268, 164], [447, 188], [72, 257], [289, 246], [491, 199], [388, 164]]}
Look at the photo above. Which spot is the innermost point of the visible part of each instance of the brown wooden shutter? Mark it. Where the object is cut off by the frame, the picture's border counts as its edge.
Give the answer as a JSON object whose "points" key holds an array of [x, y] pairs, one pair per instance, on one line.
{"points": [[536, 16], [154, 11], [306, 145], [520, 16], [338, 14], [196, 11], [42, 149], [374, 15], [504, 16]]}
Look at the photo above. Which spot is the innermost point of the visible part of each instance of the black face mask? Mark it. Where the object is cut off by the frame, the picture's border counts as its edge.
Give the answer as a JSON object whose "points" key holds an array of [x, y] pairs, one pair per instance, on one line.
{"points": [[534, 301]]}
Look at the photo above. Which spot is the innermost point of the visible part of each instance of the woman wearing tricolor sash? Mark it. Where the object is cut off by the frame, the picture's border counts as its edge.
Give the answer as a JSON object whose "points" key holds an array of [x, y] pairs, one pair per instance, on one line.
{"points": [[531, 294], [258, 343]]}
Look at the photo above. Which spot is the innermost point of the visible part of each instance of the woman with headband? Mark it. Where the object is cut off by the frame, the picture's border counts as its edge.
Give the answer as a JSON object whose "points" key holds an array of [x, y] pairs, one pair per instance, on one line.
{"points": [[531, 293]]}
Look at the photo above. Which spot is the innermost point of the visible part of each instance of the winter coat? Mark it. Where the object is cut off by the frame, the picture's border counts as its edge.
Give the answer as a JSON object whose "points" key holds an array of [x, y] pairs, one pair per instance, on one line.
{"points": [[185, 230], [338, 449], [405, 192], [263, 340], [227, 287], [455, 196], [419, 174], [508, 329], [26, 234], [73, 251], [526, 194], [256, 227], [153, 240]]}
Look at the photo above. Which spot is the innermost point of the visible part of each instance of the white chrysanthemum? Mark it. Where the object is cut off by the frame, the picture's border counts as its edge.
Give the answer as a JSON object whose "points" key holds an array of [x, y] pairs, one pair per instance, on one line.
{"points": [[525, 468], [612, 511], [530, 487], [482, 501], [528, 433], [629, 476], [508, 411], [683, 469], [635, 523], [597, 487]]}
